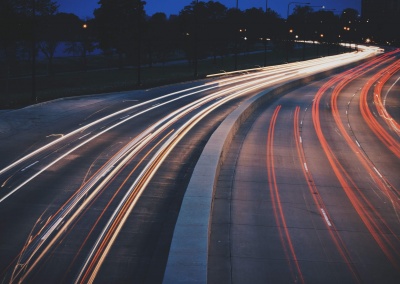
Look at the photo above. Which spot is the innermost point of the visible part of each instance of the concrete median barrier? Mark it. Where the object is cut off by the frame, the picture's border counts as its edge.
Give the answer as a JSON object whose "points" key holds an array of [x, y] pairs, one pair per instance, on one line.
{"points": [[187, 261]]}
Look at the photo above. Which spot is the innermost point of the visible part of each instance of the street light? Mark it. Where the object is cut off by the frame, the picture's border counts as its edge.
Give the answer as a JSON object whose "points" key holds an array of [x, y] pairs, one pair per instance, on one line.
{"points": [[265, 40], [236, 40], [287, 18]]}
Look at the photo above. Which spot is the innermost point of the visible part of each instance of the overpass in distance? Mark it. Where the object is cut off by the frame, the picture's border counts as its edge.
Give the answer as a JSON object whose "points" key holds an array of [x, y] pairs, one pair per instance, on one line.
{"points": [[283, 174]]}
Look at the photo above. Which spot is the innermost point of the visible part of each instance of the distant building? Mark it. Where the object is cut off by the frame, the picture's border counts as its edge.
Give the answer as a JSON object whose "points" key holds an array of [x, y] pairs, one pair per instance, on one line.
{"points": [[382, 20]]}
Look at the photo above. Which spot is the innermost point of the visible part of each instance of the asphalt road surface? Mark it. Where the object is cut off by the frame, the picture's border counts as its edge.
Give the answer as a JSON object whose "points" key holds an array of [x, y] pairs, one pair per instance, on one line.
{"points": [[309, 192], [91, 187]]}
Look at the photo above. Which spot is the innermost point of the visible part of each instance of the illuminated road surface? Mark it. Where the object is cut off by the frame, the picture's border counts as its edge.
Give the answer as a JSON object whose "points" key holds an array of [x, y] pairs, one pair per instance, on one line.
{"points": [[310, 192], [73, 174]]}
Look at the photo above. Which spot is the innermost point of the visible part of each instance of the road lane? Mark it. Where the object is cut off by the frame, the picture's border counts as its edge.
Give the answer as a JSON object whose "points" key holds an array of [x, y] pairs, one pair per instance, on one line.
{"points": [[89, 143], [342, 227]]}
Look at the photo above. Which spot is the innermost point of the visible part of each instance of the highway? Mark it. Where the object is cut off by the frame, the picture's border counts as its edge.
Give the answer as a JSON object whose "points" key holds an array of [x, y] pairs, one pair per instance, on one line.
{"points": [[91, 186], [310, 189]]}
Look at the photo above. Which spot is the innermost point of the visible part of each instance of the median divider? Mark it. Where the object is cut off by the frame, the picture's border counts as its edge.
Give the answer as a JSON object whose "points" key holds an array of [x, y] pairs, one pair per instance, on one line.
{"points": [[188, 256]]}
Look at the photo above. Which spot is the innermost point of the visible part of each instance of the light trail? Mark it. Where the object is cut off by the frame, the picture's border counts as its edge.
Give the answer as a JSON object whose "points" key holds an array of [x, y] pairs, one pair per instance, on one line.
{"points": [[272, 78], [107, 238], [118, 191], [272, 70], [374, 125], [70, 211], [388, 190], [360, 203], [80, 194], [380, 106], [280, 219], [318, 201]]}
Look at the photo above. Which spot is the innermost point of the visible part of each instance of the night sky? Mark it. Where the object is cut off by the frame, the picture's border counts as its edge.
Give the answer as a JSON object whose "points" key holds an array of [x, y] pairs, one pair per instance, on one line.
{"points": [[84, 8]]}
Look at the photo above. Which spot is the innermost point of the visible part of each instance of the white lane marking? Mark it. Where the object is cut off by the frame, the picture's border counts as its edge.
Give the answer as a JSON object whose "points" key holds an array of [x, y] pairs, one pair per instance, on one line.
{"points": [[84, 136], [326, 217], [27, 167], [376, 170], [56, 135]]}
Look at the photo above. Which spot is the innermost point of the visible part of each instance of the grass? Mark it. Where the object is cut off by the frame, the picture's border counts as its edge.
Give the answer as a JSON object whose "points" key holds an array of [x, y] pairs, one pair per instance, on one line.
{"points": [[17, 92]]}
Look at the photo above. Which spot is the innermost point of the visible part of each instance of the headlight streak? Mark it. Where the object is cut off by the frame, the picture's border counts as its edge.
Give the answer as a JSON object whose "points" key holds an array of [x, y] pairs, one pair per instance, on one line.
{"points": [[80, 129], [81, 193], [217, 84], [107, 171], [64, 211], [117, 191], [28, 241], [93, 137], [137, 188], [87, 141], [131, 149], [69, 222], [101, 173]]}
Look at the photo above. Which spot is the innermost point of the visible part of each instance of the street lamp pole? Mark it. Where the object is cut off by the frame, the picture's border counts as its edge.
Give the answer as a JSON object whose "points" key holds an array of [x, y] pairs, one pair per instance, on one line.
{"points": [[304, 31], [195, 40], [139, 51], [236, 38], [265, 33], [33, 95]]}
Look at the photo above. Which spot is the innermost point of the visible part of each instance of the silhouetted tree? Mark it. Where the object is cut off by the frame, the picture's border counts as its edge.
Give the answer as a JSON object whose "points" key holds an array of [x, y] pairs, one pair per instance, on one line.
{"points": [[212, 29], [119, 24], [19, 27], [204, 26], [159, 38], [254, 22]]}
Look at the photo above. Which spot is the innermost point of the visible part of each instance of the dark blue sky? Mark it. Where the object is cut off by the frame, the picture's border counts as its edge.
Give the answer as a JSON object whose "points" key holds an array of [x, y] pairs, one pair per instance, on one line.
{"points": [[84, 8]]}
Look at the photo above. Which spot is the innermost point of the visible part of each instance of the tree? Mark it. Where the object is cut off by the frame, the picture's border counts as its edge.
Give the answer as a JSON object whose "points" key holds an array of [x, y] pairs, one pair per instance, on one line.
{"points": [[9, 34], [213, 28], [80, 36], [19, 25], [22, 17], [159, 38], [119, 24], [52, 29], [204, 26], [254, 21]]}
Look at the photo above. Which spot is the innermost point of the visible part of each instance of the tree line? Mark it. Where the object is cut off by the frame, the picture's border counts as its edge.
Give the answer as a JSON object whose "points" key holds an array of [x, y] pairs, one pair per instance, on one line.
{"points": [[122, 29]]}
